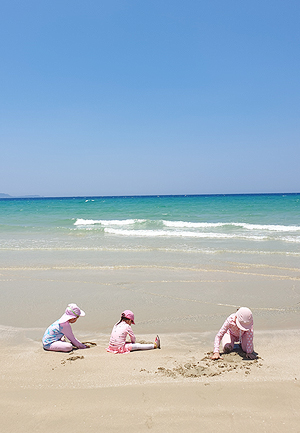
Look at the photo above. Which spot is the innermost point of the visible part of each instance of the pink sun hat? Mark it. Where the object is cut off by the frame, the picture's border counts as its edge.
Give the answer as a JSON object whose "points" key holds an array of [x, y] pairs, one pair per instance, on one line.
{"points": [[128, 314], [244, 318], [72, 312]]}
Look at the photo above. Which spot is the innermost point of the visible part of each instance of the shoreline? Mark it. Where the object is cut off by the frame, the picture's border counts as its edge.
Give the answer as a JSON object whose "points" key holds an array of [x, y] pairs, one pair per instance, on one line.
{"points": [[18, 337]]}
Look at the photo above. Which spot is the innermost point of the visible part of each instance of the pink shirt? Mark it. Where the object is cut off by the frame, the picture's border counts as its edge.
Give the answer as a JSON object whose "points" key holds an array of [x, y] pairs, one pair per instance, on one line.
{"points": [[117, 342], [236, 334]]}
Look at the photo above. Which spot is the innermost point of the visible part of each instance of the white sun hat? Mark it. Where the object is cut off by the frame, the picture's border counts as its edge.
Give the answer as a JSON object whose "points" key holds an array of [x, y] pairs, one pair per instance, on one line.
{"points": [[244, 318], [72, 312]]}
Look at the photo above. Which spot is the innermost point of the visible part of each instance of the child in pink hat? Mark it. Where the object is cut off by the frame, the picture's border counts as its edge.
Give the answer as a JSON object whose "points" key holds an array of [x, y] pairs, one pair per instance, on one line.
{"points": [[54, 337], [118, 343], [238, 327]]}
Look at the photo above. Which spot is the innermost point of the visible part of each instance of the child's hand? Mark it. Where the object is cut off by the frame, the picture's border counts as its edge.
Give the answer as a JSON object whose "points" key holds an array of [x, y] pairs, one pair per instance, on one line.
{"points": [[216, 356]]}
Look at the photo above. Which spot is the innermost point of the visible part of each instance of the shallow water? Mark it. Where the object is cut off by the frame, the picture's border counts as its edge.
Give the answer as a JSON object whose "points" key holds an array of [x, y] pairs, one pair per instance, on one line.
{"points": [[182, 264]]}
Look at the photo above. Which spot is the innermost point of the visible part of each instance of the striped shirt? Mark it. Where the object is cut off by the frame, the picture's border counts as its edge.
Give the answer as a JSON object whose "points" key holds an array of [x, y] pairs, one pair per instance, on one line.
{"points": [[56, 331]]}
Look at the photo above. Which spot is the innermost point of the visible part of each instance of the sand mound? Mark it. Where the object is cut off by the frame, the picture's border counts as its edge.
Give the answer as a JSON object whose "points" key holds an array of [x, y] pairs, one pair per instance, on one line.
{"points": [[206, 367]]}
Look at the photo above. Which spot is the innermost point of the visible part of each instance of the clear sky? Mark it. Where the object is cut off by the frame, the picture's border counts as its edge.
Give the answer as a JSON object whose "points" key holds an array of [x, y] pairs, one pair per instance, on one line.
{"points": [[130, 97]]}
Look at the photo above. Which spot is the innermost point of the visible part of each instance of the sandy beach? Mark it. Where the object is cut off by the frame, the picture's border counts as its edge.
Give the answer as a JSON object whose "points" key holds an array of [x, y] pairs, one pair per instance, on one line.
{"points": [[149, 162], [177, 388], [178, 287]]}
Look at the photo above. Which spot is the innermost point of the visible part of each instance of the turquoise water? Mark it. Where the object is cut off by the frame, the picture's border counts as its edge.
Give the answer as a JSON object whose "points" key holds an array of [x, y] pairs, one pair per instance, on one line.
{"points": [[270, 222], [180, 262]]}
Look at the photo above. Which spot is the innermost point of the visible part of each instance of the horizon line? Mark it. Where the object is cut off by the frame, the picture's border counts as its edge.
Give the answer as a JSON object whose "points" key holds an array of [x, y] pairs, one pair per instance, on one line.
{"points": [[8, 196]]}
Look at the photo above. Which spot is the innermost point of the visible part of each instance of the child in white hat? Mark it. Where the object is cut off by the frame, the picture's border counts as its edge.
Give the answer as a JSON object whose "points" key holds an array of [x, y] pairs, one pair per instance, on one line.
{"points": [[54, 337], [118, 343], [238, 327]]}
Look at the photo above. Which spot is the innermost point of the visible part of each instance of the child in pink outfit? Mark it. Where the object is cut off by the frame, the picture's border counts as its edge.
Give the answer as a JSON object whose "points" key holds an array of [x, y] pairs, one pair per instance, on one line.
{"points": [[238, 327], [54, 337], [118, 343]]}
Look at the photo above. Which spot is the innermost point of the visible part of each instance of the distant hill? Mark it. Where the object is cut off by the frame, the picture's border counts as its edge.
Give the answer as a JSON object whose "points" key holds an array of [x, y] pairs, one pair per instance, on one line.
{"points": [[2, 195]]}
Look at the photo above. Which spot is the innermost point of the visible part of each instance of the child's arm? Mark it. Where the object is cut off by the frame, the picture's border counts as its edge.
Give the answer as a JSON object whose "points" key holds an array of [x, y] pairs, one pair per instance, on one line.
{"points": [[218, 338], [131, 334], [67, 331]]}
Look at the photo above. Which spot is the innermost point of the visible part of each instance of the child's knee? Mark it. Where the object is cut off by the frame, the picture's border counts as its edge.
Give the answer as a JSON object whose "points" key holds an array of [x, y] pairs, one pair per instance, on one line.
{"points": [[61, 347], [228, 348], [67, 347]]}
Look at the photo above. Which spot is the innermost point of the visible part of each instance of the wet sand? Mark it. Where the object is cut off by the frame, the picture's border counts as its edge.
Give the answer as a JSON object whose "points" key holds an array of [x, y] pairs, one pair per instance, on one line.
{"points": [[167, 299]]}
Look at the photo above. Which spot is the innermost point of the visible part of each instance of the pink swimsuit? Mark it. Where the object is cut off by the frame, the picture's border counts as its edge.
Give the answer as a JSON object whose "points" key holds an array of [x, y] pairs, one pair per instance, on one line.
{"points": [[233, 334], [117, 342]]}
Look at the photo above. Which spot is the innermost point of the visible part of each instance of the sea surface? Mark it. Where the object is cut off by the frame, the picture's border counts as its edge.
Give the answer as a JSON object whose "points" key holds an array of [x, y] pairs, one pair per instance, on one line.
{"points": [[130, 242], [213, 224]]}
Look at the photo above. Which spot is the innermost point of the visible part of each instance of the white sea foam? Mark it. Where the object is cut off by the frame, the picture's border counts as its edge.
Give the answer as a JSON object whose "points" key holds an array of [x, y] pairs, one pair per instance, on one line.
{"points": [[191, 225], [182, 224], [166, 233], [204, 225], [186, 229], [83, 222], [294, 239], [269, 227]]}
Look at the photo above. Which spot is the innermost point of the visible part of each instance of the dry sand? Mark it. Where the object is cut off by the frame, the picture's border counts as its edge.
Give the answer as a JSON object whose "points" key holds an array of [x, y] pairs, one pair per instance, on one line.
{"points": [[175, 389]]}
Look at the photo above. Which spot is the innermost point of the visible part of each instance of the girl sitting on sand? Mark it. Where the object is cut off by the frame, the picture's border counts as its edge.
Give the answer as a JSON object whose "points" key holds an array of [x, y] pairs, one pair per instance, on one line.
{"points": [[118, 343], [238, 327], [54, 337]]}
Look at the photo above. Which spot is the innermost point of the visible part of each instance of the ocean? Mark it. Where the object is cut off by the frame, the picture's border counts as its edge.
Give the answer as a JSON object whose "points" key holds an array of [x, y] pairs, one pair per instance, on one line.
{"points": [[179, 261]]}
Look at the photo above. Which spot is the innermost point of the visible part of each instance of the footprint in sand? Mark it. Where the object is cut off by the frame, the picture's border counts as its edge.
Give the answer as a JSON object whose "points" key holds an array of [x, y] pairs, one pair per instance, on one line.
{"points": [[74, 358], [71, 358]]}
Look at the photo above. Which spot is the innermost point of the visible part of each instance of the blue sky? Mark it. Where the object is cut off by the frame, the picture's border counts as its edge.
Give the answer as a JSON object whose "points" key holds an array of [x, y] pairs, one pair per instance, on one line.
{"points": [[126, 97]]}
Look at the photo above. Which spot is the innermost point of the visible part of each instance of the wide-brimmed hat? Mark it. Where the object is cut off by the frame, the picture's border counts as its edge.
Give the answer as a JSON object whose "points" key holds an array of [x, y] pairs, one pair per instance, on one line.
{"points": [[72, 312], [244, 318], [128, 314]]}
